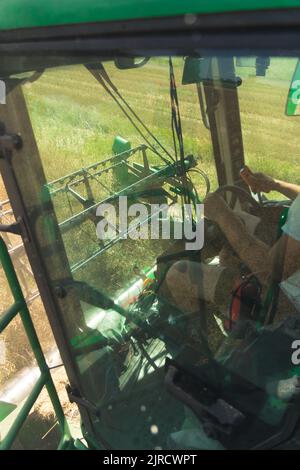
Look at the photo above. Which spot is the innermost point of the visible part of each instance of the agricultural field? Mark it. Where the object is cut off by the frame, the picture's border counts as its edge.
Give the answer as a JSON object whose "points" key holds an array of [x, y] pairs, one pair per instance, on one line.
{"points": [[76, 121]]}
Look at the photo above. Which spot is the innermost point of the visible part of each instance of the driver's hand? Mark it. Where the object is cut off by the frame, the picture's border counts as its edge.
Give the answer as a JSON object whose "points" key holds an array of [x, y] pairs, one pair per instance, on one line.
{"points": [[214, 206], [258, 182]]}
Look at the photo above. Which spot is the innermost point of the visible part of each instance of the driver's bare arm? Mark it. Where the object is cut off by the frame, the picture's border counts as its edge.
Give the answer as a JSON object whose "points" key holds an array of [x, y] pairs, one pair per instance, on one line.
{"points": [[259, 182], [287, 189]]}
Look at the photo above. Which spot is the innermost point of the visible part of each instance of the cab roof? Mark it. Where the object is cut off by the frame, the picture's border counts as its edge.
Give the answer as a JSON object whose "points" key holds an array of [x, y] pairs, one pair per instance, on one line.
{"points": [[23, 14]]}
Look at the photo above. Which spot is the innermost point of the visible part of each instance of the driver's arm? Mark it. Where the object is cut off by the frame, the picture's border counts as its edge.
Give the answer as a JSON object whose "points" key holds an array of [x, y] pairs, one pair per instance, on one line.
{"points": [[259, 182], [287, 189]]}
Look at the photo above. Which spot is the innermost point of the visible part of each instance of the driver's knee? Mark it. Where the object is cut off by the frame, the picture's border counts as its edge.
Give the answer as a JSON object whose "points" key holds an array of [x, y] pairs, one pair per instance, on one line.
{"points": [[183, 285], [193, 281]]}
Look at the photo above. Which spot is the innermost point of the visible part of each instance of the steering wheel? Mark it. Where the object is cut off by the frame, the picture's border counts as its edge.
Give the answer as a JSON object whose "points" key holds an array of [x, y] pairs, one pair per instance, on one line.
{"points": [[241, 195]]}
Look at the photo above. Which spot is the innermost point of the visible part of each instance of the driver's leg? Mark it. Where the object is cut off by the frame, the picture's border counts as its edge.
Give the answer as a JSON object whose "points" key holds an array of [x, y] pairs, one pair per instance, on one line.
{"points": [[265, 228]]}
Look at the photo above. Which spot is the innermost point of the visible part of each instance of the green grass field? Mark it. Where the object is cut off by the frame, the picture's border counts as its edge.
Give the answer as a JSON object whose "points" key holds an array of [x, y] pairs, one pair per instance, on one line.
{"points": [[75, 123], [271, 139]]}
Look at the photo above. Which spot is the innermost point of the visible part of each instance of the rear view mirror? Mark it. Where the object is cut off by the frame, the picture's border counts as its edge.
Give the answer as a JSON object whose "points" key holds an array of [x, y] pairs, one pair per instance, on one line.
{"points": [[199, 69], [196, 70], [293, 99], [125, 63]]}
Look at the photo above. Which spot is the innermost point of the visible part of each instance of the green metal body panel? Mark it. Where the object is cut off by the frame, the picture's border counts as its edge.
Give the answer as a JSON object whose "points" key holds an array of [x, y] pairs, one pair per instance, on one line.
{"points": [[34, 13], [121, 146]]}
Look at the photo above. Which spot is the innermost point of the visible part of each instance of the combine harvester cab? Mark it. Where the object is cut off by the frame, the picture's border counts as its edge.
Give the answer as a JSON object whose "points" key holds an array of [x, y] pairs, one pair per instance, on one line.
{"points": [[116, 121]]}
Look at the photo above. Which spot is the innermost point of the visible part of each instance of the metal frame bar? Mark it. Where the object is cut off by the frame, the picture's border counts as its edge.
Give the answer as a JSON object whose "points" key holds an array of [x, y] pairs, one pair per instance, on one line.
{"points": [[20, 307], [234, 20], [17, 252], [225, 123]]}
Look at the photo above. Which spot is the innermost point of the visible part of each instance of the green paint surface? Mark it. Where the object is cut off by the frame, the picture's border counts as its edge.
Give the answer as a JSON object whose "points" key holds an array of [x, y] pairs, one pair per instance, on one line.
{"points": [[6, 409], [35, 13]]}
